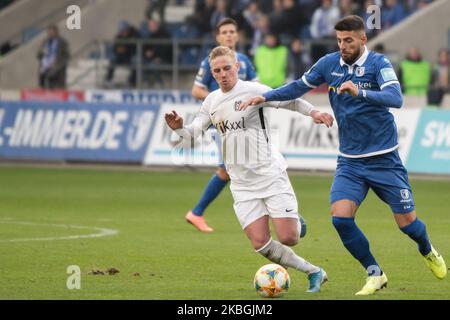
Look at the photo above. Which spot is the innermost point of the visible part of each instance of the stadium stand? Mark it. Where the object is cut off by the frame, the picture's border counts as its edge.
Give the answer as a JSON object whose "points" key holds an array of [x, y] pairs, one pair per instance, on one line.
{"points": [[189, 24]]}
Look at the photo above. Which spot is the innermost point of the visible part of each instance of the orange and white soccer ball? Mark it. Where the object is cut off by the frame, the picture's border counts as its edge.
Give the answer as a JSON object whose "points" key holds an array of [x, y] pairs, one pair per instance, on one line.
{"points": [[271, 281]]}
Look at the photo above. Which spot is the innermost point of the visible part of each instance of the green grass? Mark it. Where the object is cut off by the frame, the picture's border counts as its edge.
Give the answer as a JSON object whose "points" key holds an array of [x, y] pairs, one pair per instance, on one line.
{"points": [[174, 260]]}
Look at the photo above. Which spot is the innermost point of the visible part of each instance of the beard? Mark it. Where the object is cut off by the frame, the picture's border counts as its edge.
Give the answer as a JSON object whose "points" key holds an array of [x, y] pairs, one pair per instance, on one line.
{"points": [[351, 59]]}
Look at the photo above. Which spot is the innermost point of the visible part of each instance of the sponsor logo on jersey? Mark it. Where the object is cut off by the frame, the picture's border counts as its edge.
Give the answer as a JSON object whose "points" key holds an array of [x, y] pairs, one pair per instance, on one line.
{"points": [[337, 74], [224, 126], [364, 85]]}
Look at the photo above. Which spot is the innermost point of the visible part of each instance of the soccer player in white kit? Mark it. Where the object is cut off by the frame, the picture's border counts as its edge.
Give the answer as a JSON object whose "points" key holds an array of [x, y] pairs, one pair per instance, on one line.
{"points": [[259, 183]]}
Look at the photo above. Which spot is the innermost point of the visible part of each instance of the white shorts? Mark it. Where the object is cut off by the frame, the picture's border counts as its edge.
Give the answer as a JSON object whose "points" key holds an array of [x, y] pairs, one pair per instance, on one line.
{"points": [[282, 205]]}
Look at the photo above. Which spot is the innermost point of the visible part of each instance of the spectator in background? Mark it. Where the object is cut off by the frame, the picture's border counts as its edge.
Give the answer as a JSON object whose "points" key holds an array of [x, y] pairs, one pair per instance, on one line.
{"points": [[235, 11], [392, 13], [271, 61], [322, 28], [415, 74], [266, 6], [155, 55], [347, 7], [440, 79], [202, 15], [324, 20], [263, 28], [276, 15], [251, 16], [299, 60], [308, 7], [123, 52], [219, 13], [156, 5], [292, 20], [53, 58]]}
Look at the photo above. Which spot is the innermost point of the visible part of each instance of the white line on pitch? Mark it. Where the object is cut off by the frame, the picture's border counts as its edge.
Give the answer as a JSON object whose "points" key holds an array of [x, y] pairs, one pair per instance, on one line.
{"points": [[102, 232]]}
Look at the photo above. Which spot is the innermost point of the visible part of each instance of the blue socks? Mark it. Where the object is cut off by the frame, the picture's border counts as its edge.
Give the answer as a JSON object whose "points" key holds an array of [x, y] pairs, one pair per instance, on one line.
{"points": [[417, 231], [357, 244], [215, 185]]}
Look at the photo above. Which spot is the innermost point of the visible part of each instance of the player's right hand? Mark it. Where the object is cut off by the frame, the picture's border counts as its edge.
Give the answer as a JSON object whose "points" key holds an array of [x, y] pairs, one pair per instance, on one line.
{"points": [[173, 120], [322, 117], [251, 102]]}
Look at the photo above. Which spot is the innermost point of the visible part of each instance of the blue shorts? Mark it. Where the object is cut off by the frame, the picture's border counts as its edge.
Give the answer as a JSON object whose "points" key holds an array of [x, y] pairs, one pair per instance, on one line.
{"points": [[384, 174]]}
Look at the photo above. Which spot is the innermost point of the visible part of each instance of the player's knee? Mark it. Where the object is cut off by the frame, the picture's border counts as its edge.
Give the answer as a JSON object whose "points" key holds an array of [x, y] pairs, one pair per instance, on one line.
{"points": [[405, 219], [259, 241], [290, 239], [343, 224], [222, 174]]}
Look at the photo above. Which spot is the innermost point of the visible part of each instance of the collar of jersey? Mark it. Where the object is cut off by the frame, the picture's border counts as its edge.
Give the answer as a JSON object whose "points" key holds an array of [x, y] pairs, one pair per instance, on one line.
{"points": [[358, 62], [232, 89]]}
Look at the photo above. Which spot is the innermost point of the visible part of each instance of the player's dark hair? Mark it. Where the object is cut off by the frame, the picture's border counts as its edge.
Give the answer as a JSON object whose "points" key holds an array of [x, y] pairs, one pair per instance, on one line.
{"points": [[226, 21], [350, 23]]}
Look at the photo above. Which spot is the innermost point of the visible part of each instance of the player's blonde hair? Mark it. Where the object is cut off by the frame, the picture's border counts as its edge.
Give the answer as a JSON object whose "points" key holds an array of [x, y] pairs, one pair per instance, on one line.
{"points": [[221, 51]]}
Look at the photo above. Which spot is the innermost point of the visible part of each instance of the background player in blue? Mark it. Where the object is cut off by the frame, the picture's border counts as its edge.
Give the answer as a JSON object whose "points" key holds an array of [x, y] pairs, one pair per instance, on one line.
{"points": [[227, 36], [362, 86]]}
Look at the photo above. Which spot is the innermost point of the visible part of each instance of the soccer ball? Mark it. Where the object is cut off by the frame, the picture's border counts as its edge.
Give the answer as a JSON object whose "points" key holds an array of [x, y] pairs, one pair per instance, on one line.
{"points": [[271, 281]]}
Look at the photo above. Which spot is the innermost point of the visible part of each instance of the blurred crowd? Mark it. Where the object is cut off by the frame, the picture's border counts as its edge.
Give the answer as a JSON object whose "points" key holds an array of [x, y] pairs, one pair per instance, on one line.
{"points": [[282, 37], [273, 34], [419, 77]]}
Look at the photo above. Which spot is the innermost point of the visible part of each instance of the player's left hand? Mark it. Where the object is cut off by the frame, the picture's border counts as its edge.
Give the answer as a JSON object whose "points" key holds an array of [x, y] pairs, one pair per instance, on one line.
{"points": [[322, 117], [349, 87]]}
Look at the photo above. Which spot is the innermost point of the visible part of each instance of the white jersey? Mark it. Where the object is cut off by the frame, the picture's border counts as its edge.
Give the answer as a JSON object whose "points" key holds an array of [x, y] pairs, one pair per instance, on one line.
{"points": [[251, 160]]}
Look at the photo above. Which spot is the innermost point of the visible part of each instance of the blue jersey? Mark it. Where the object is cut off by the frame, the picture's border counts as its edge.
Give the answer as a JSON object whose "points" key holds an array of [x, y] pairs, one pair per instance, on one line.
{"points": [[366, 127], [206, 80]]}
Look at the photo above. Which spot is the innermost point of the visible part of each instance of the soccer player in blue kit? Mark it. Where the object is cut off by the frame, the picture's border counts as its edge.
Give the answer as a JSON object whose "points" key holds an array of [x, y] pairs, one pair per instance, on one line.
{"points": [[227, 36], [362, 86]]}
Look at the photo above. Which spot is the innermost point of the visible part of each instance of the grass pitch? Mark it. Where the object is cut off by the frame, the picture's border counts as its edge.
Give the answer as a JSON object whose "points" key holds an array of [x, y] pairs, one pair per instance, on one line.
{"points": [[51, 218]]}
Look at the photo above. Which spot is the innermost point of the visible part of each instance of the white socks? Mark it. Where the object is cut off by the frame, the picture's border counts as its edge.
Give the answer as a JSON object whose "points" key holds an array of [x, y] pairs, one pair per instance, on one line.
{"points": [[285, 256]]}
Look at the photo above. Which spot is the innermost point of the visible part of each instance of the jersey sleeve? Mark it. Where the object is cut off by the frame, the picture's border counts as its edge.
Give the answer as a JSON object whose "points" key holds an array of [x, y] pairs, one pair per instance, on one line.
{"points": [[251, 73], [296, 105], [200, 123], [204, 76], [315, 76], [386, 74]]}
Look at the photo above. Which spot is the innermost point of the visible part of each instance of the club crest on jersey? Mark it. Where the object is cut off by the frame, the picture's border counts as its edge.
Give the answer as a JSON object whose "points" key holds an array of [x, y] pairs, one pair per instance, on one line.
{"points": [[359, 71], [405, 194], [237, 104]]}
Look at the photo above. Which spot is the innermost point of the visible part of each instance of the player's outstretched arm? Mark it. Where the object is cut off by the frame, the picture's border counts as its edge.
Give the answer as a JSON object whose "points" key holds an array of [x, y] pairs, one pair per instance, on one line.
{"points": [[287, 92], [304, 107], [390, 96], [192, 130]]}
